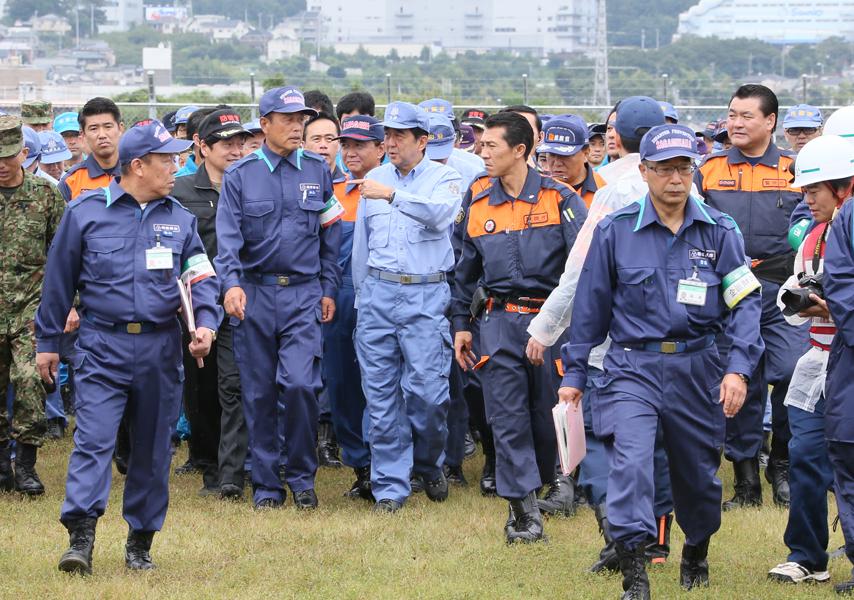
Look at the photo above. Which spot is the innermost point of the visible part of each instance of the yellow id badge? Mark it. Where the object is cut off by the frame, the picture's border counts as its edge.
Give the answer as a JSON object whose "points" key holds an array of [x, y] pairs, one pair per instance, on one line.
{"points": [[159, 257], [692, 291]]}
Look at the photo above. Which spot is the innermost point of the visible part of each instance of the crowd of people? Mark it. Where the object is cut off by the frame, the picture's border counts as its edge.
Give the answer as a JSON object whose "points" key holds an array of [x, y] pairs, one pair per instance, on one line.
{"points": [[324, 287]]}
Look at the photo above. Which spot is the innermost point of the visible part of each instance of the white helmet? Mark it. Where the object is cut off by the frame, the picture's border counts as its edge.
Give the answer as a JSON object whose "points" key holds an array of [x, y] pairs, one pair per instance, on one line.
{"points": [[841, 123], [825, 158]]}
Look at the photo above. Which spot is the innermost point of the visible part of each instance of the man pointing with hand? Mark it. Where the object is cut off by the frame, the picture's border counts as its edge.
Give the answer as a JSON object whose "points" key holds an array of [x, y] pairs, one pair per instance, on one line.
{"points": [[663, 272]]}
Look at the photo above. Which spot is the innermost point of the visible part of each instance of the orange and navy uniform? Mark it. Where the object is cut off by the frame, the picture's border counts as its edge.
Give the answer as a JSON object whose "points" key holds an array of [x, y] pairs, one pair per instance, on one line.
{"points": [[348, 196], [85, 176], [515, 247], [592, 182], [760, 198]]}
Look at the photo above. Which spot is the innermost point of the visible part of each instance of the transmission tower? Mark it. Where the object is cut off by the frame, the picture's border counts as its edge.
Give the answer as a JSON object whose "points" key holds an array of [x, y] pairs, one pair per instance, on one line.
{"points": [[601, 90]]}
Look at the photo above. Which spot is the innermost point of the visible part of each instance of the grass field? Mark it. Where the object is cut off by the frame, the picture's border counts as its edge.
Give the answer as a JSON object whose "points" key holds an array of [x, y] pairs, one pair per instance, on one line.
{"points": [[211, 549]]}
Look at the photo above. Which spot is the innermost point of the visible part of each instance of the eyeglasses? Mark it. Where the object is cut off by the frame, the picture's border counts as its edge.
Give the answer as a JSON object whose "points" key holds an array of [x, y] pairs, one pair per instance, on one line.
{"points": [[800, 130], [666, 171]]}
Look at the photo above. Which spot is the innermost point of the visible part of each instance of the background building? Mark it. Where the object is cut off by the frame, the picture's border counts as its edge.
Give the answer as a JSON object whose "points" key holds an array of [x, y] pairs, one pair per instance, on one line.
{"points": [[780, 22]]}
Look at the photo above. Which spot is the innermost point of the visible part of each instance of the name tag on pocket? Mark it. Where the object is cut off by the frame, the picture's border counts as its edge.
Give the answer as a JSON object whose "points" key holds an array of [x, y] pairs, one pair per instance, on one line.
{"points": [[159, 257], [692, 291]]}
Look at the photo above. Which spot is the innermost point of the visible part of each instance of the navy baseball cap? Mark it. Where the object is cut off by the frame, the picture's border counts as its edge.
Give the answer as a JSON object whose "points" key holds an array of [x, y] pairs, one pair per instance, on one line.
{"points": [[475, 117], [669, 141], [143, 122], [149, 139], [802, 115], [31, 141], [286, 99], [67, 121], [403, 115], [546, 117], [168, 120], [440, 106], [721, 132], [54, 149], [596, 129], [253, 127], [668, 110], [182, 114], [635, 113], [467, 139], [564, 135], [440, 140], [363, 128], [709, 131]]}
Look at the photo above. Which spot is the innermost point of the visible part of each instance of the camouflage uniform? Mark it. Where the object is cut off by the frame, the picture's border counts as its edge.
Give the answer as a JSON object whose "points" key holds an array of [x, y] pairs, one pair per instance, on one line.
{"points": [[37, 112], [28, 222]]}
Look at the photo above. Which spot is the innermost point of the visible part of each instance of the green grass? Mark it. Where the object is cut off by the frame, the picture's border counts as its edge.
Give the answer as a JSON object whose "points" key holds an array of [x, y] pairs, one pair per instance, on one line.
{"points": [[211, 549]]}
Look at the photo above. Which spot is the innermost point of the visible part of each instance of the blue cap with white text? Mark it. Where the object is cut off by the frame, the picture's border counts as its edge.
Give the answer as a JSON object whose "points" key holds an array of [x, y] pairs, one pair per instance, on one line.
{"points": [[669, 141]]}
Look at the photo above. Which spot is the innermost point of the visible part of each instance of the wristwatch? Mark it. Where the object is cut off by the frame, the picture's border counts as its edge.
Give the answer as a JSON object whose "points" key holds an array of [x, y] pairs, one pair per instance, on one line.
{"points": [[391, 197], [744, 378], [213, 336]]}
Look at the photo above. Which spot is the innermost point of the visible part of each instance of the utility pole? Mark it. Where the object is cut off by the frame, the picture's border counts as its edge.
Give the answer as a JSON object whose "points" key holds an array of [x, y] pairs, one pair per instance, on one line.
{"points": [[643, 39], [664, 79], [525, 88], [750, 63], [601, 88], [656, 38], [805, 88], [91, 21]]}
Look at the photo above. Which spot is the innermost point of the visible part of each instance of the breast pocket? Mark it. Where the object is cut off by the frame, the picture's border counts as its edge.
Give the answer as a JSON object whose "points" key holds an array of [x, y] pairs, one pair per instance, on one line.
{"points": [[259, 221], [167, 276], [30, 238], [378, 218], [639, 290], [106, 256], [416, 233], [714, 294], [309, 222]]}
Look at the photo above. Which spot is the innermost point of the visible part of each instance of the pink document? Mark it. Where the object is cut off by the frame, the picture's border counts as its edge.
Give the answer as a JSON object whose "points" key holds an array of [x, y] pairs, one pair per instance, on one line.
{"points": [[569, 427]]}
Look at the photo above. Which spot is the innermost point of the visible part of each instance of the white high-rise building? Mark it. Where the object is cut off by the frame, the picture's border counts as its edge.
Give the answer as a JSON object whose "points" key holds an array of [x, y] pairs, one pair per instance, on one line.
{"points": [[121, 15], [543, 26], [775, 21]]}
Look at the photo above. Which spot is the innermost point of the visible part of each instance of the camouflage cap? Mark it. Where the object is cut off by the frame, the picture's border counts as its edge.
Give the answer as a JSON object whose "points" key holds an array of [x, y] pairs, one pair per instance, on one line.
{"points": [[11, 136], [37, 112]]}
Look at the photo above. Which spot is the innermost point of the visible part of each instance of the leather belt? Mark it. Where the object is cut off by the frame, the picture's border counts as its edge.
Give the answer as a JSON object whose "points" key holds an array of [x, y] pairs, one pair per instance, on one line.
{"points": [[675, 347], [407, 279], [283, 280], [524, 306], [122, 327]]}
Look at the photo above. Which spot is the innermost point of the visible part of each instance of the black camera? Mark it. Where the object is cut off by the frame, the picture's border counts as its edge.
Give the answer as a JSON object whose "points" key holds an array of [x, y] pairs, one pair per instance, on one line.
{"points": [[798, 299]]}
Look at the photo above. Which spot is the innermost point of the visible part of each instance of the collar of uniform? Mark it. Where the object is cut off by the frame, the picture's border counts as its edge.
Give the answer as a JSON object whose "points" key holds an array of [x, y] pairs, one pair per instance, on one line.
{"points": [[694, 211], [338, 175], [417, 169], [771, 158], [203, 180], [115, 192], [350, 186], [95, 169], [530, 191], [589, 183]]}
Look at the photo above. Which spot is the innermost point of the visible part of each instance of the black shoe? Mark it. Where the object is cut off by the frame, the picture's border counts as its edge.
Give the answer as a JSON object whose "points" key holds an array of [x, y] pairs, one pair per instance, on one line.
{"points": [[305, 499], [765, 450], [437, 490], [838, 553], [454, 475], [510, 525], [658, 546], [529, 522], [67, 400], [209, 490], [137, 547], [283, 469], [487, 477], [268, 504], [7, 475], [471, 446], [475, 435], [188, 468], [580, 497], [55, 430], [327, 447], [748, 488], [694, 568], [416, 482], [777, 474], [387, 506], [846, 588], [633, 568], [27, 480], [608, 559], [560, 498], [362, 486], [81, 537], [229, 491]]}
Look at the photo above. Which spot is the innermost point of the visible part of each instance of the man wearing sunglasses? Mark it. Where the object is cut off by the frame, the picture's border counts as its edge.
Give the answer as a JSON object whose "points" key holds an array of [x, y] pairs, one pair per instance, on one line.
{"points": [[801, 124]]}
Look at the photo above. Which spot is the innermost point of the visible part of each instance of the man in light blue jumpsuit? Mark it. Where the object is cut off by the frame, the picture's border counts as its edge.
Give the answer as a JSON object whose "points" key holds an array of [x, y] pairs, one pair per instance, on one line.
{"points": [[279, 237], [401, 254], [663, 271], [122, 248]]}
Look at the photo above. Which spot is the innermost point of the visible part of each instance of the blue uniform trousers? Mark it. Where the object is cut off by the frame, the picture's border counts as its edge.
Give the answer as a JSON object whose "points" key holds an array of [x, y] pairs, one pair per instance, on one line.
{"points": [[593, 474], [519, 398], [118, 374], [842, 458], [810, 478], [278, 347], [473, 392], [458, 418], [344, 380], [784, 346], [640, 391], [403, 342]]}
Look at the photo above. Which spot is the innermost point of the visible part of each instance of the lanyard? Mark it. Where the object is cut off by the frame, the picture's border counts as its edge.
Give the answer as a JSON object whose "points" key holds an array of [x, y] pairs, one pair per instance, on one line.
{"points": [[816, 256]]}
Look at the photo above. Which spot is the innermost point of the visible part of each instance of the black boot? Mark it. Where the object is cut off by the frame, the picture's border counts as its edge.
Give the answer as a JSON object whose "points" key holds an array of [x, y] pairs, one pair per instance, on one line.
{"points": [[560, 499], [81, 537], [7, 476], [529, 522], [454, 475], [608, 559], [748, 488], [765, 450], [777, 473], [487, 477], [694, 568], [510, 525], [658, 546], [633, 567], [55, 429], [136, 550], [362, 486], [327, 447], [121, 455], [26, 479], [471, 445]]}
